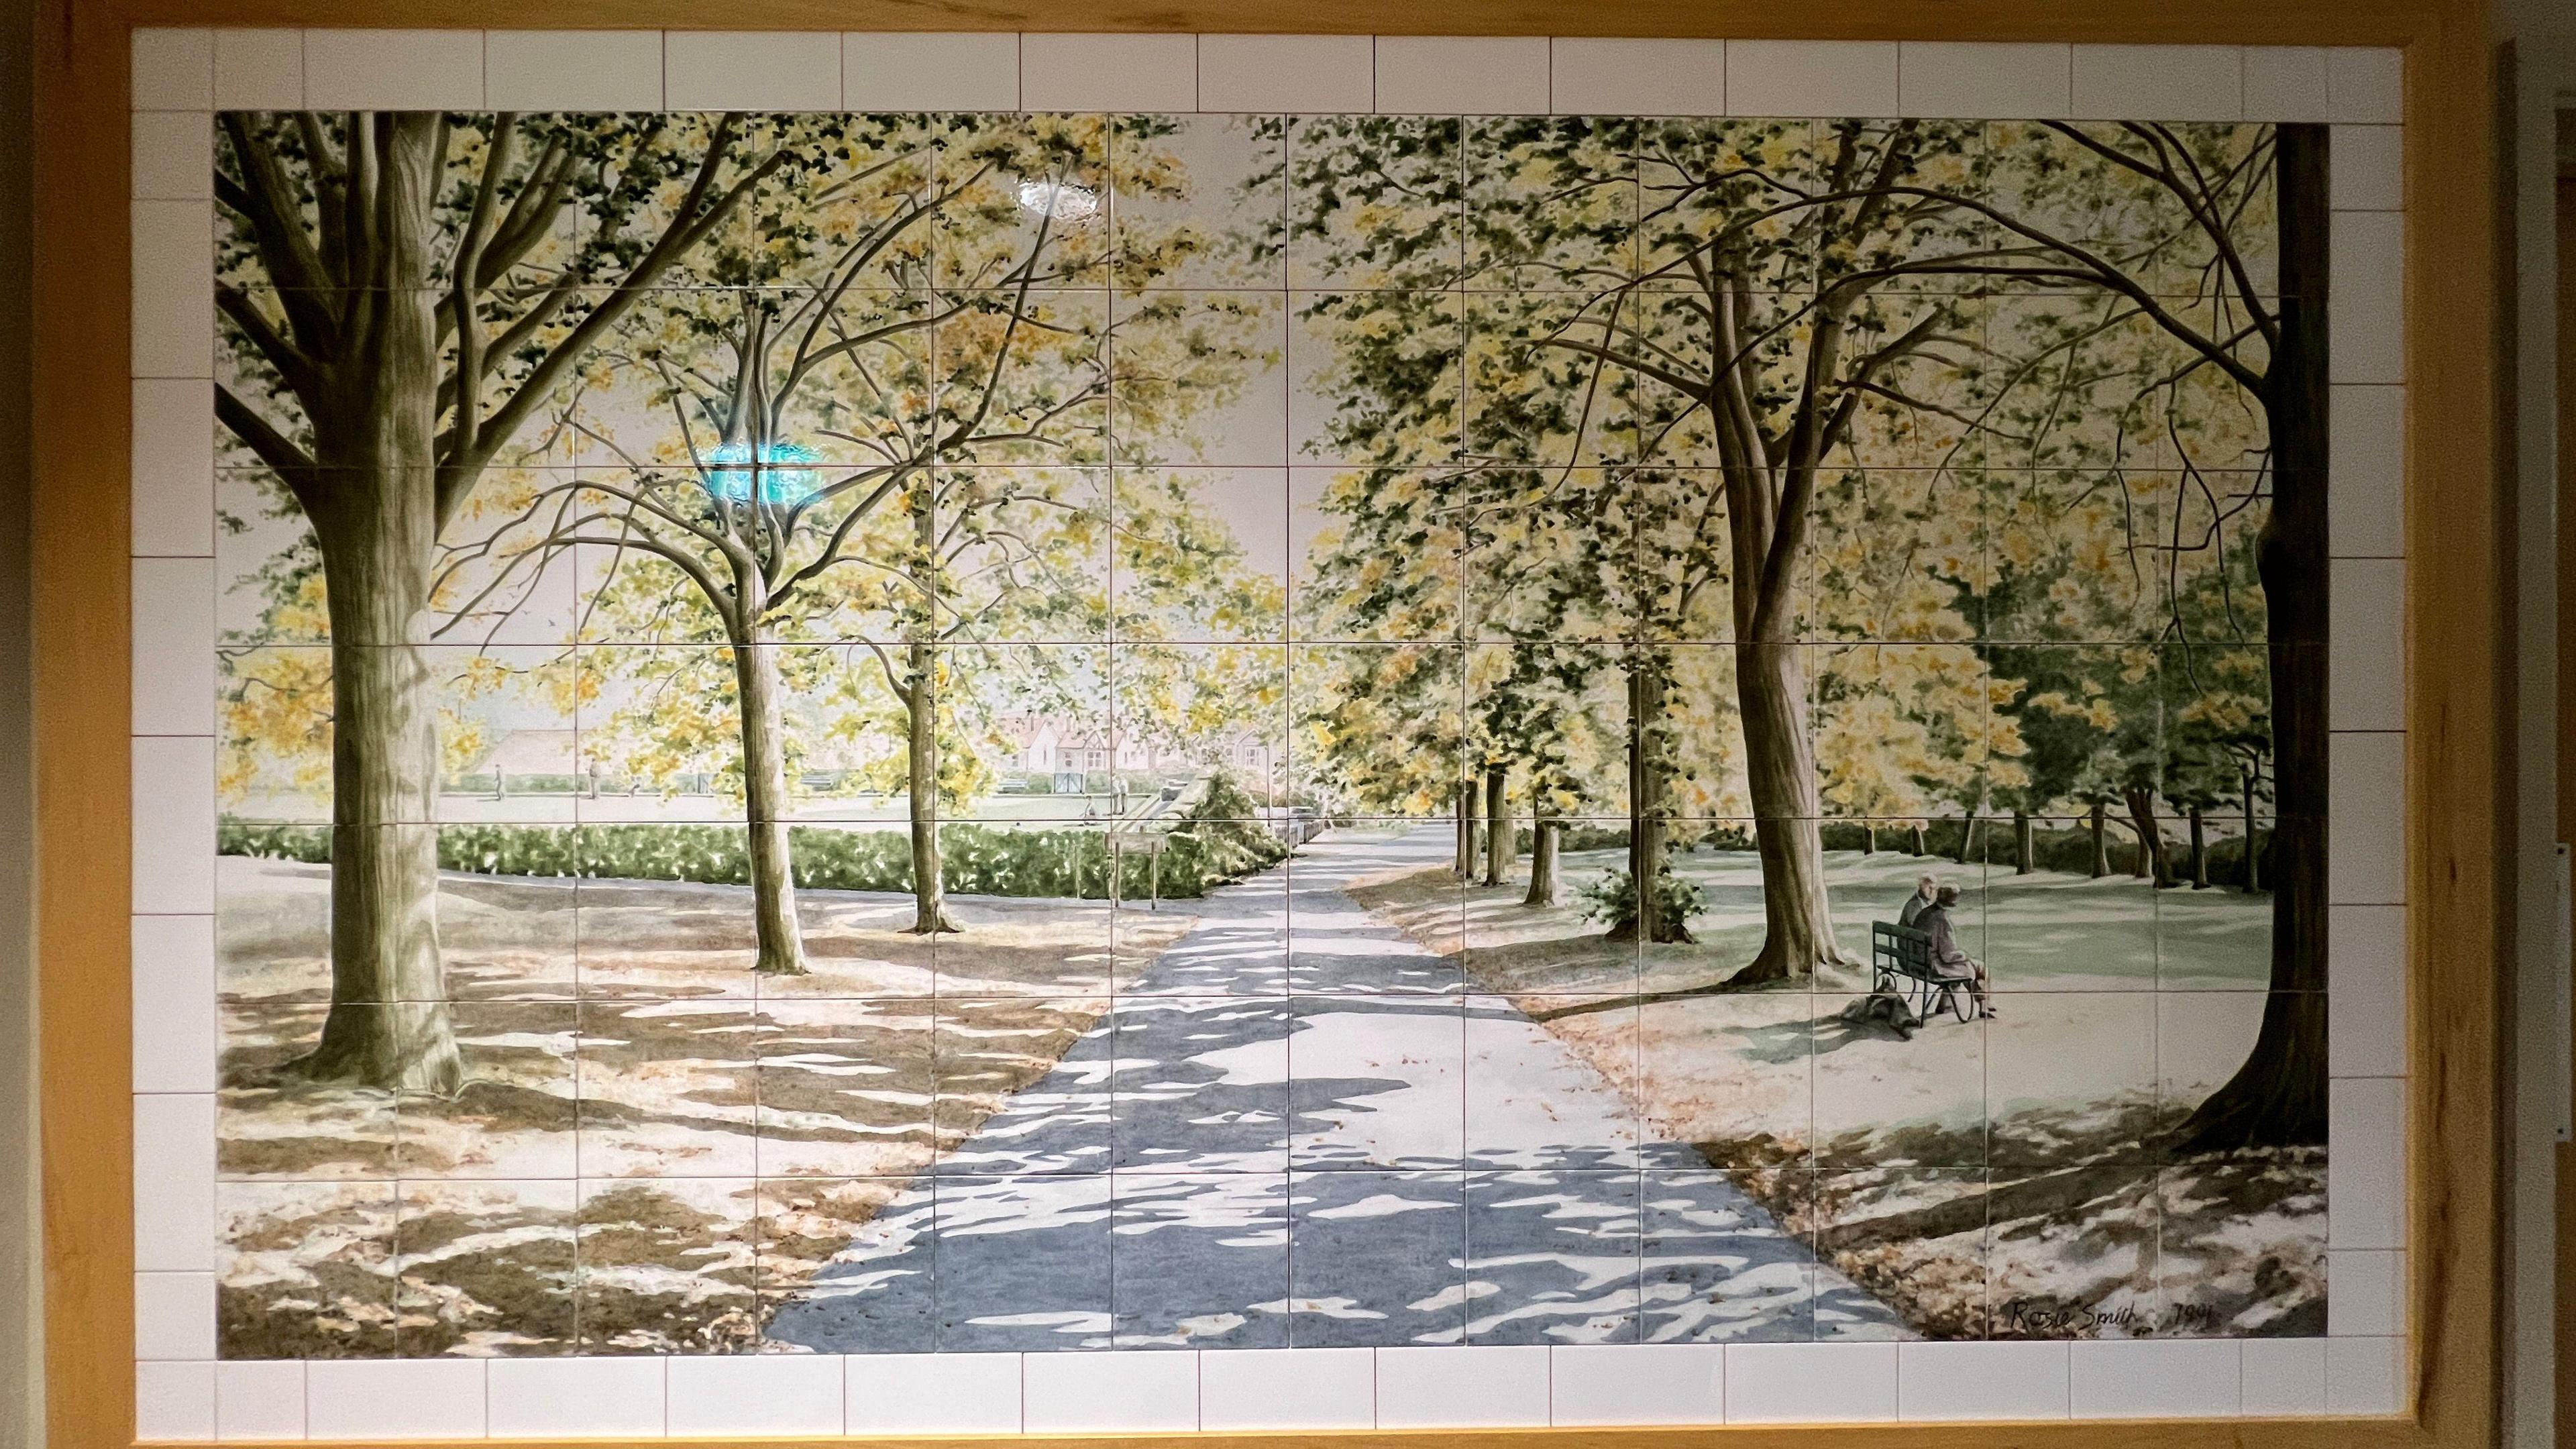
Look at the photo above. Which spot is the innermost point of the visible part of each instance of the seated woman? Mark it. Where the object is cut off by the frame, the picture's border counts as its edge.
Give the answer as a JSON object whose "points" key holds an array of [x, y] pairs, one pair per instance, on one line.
{"points": [[1946, 955]]}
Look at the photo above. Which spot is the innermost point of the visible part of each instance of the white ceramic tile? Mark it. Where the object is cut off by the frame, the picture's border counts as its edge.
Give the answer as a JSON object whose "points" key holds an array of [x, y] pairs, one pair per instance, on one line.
{"points": [[174, 69], [2366, 341], [2153, 1378], [933, 1393], [1254, 1389], [1810, 1382], [1981, 1380], [259, 70], [2366, 819], [2366, 990], [419, 1398], [2159, 82], [2366, 653], [174, 1183], [2366, 1163], [174, 289], [1598, 77], [757, 1393], [393, 70], [1447, 75], [2365, 1375], [1457, 1388], [174, 825], [174, 467], [2368, 168], [174, 1003], [2365, 86], [1089, 1393], [572, 70], [1109, 73], [1980, 80], [960, 71], [174, 1315], [259, 1399], [174, 1401], [546, 1398], [174, 156], [2365, 1294], [2285, 83], [1811, 78], [1636, 1383], [1313, 74], [742, 70], [2366, 471], [2283, 1376], [173, 659]]}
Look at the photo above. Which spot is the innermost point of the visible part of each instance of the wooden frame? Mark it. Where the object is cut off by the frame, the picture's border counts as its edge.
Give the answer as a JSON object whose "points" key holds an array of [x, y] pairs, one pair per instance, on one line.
{"points": [[2457, 829]]}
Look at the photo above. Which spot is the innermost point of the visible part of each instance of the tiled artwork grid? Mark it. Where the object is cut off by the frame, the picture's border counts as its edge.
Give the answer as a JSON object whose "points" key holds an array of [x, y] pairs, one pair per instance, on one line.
{"points": [[183, 1393]]}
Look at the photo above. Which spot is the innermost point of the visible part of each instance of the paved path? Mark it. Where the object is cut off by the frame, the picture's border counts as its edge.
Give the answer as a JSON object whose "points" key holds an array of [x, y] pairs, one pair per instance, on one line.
{"points": [[1331, 1144]]}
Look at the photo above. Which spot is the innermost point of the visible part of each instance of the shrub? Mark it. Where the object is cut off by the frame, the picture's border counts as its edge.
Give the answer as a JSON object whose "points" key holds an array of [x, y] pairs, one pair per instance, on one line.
{"points": [[1613, 898]]}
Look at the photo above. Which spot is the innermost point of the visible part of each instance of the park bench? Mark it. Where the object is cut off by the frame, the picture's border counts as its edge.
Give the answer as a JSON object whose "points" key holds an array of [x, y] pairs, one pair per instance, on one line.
{"points": [[1900, 963]]}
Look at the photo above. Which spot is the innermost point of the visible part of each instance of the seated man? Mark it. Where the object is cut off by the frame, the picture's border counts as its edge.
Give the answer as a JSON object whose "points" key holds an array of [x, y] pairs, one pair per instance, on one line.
{"points": [[1925, 889], [1934, 921]]}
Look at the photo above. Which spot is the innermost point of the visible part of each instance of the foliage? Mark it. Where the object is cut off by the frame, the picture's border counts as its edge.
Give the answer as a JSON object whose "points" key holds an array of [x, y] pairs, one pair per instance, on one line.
{"points": [[1613, 898]]}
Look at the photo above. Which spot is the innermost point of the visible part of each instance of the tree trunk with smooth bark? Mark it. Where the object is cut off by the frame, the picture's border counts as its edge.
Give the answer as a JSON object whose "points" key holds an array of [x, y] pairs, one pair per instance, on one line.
{"points": [[765, 812], [1499, 844], [2199, 852], [2023, 854], [1649, 843], [1542, 887], [2152, 863], [2278, 1097], [921, 784], [1780, 768], [1466, 866]]}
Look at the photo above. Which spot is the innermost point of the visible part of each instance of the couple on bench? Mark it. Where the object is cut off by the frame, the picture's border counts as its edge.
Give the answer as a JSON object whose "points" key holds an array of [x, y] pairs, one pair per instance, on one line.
{"points": [[1928, 911]]}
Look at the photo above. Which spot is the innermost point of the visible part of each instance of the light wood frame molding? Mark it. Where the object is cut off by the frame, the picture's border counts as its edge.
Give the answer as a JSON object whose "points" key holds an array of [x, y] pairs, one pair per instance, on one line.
{"points": [[2457, 826]]}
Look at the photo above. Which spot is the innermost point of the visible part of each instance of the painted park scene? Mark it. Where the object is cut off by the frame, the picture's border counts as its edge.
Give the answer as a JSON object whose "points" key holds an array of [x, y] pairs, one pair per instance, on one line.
{"points": [[877, 733]]}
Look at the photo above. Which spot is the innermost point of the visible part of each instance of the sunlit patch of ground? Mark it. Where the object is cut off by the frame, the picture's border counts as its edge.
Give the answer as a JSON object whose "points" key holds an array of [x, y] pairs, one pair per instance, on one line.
{"points": [[653, 1147], [1990, 1178]]}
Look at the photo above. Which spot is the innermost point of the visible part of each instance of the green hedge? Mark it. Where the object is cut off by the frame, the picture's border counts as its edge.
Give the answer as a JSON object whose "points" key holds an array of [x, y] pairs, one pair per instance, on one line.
{"points": [[1207, 849]]}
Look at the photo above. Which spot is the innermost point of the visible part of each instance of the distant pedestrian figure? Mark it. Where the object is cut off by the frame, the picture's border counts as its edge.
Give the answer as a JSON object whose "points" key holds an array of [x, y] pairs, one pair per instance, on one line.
{"points": [[1934, 921]]}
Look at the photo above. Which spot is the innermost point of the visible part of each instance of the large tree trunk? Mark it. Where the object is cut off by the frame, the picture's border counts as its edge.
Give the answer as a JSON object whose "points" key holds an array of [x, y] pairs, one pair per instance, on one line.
{"points": [[1498, 825], [2278, 1097], [1780, 767], [1648, 840], [2022, 851], [1542, 888], [921, 784], [764, 776], [374, 512], [2095, 821], [2151, 863]]}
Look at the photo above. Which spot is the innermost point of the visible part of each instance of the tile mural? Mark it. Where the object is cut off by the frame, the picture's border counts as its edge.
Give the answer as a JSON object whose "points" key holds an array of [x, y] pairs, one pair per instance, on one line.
{"points": [[879, 733]]}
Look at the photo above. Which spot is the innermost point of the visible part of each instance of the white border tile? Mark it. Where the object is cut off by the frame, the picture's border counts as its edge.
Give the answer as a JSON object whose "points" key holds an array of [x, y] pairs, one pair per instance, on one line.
{"points": [[173, 658], [932, 1393], [751, 70], [1636, 1383], [174, 1316], [174, 1401], [961, 71], [573, 70], [1463, 1387], [2159, 83], [259, 1399], [174, 468], [2285, 83], [2366, 643], [393, 70], [1255, 1389], [2366, 322], [2368, 168], [174, 156], [174, 1186], [755, 1394], [259, 70], [2365, 1375], [175, 1020], [590, 1397], [2365, 86], [1981, 1381], [1608, 77], [1446, 75], [2366, 471], [2366, 819], [174, 248], [174, 825], [396, 1398], [1791, 1383], [1983, 80], [2175, 1378], [173, 69], [2366, 991], [1811, 77], [2365, 1293], [1145, 1391], [2284, 1376], [2366, 1165], [1308, 74], [1109, 72]]}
